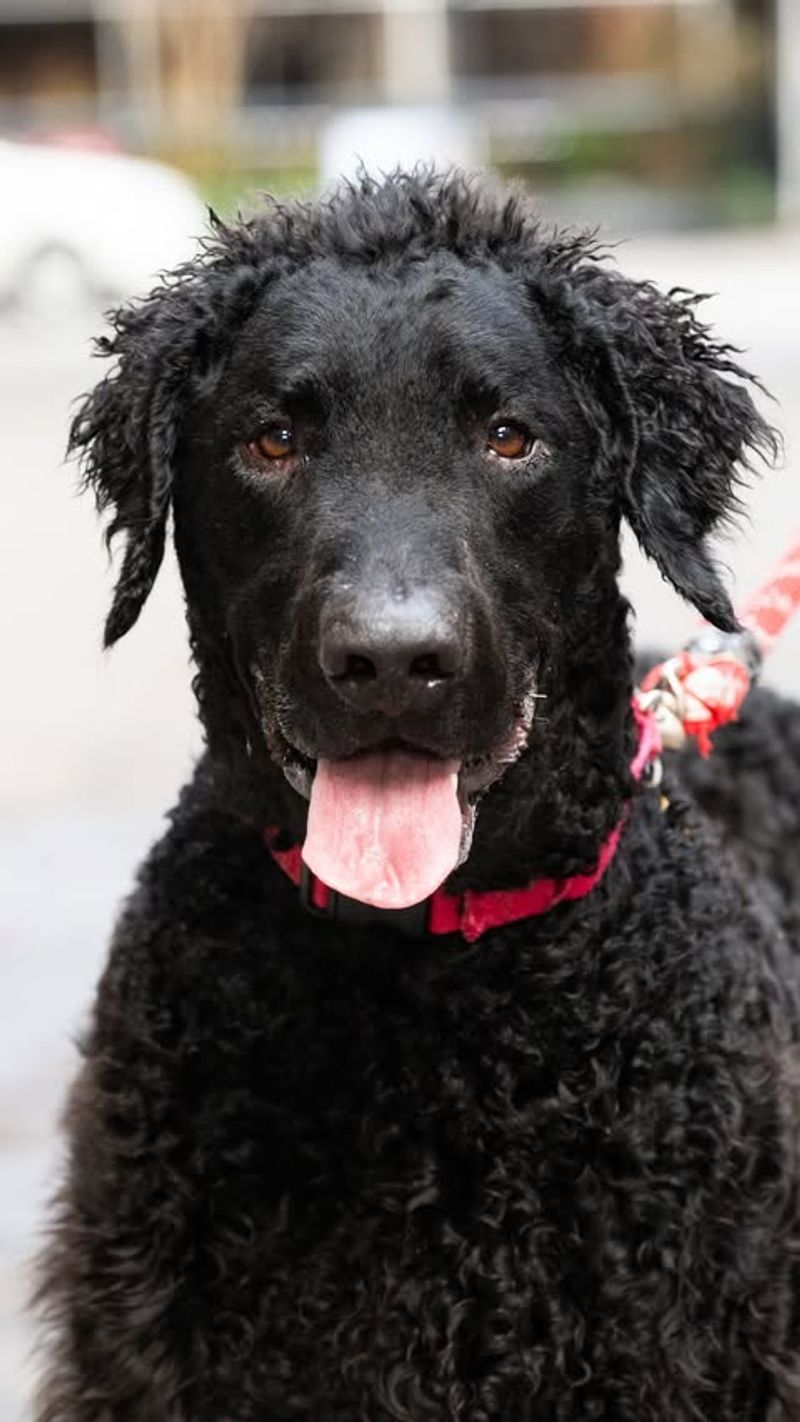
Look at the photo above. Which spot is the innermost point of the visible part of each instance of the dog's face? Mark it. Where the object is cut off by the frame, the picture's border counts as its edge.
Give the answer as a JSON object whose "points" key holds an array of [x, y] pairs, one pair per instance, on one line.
{"points": [[397, 481], [388, 497]]}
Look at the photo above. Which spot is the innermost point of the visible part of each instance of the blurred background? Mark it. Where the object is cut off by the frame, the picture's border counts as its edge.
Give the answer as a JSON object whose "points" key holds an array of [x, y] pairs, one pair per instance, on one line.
{"points": [[673, 126], [665, 113]]}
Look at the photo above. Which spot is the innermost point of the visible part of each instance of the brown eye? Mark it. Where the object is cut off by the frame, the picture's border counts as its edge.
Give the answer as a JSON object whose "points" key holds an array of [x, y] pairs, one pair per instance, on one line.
{"points": [[509, 440], [274, 442]]}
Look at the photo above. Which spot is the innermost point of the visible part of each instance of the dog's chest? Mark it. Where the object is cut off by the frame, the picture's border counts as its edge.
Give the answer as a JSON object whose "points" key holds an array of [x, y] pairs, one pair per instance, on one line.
{"points": [[361, 1125], [390, 1177]]}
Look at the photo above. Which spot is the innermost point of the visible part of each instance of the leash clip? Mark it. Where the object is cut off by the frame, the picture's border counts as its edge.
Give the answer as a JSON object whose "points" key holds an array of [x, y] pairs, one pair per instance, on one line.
{"points": [[652, 774]]}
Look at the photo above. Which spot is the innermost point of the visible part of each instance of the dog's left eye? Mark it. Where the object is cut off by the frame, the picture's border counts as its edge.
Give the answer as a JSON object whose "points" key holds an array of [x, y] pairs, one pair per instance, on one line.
{"points": [[509, 440], [275, 442]]}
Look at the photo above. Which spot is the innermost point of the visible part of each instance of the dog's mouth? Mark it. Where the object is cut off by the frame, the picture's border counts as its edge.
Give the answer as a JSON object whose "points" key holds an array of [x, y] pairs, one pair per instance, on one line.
{"points": [[388, 824]]}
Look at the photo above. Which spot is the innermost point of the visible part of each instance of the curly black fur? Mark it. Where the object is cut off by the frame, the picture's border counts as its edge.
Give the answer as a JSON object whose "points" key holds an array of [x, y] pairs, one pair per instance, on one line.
{"points": [[324, 1172]]}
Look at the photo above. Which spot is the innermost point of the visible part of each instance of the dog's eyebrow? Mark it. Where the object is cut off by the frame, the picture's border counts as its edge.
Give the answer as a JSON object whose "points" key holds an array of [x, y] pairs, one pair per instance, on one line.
{"points": [[472, 386], [440, 289], [304, 387], [474, 364]]}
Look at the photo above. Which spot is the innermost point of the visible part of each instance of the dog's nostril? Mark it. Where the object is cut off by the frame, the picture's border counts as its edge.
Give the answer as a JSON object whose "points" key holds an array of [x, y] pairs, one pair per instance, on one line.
{"points": [[429, 667], [358, 668]]}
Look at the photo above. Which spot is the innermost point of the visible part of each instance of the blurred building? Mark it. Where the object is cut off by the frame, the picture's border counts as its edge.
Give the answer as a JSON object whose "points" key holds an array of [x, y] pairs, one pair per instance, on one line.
{"points": [[662, 95]]}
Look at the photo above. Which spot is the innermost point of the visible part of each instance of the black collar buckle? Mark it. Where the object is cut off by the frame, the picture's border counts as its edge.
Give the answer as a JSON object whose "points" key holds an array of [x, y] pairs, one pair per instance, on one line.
{"points": [[413, 921]]}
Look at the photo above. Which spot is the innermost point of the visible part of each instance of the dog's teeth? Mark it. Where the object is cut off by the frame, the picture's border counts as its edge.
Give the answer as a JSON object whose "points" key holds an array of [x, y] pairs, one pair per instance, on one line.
{"points": [[529, 705], [299, 777], [467, 831]]}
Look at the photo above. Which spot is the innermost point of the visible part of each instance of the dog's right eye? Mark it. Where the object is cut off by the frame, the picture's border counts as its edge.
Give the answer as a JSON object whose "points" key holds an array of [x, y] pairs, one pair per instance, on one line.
{"points": [[275, 442], [509, 440]]}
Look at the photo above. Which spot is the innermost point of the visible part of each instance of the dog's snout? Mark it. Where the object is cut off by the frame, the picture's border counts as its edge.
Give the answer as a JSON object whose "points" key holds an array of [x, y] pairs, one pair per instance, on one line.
{"points": [[381, 652]]}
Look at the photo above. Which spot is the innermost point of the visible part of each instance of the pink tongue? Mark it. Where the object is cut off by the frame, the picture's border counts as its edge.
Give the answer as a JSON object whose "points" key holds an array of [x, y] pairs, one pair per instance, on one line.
{"points": [[384, 827]]}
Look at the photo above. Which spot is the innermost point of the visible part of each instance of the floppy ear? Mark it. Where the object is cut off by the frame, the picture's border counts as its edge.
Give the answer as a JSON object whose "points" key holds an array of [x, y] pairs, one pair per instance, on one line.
{"points": [[678, 425], [128, 429], [126, 432]]}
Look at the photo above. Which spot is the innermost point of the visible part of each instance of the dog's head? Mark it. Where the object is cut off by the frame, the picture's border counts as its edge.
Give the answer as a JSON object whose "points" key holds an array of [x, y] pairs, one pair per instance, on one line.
{"points": [[398, 433]]}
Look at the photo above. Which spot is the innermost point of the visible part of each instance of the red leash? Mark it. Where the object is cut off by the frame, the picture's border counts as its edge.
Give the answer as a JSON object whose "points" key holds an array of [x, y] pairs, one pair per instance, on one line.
{"points": [[704, 686], [769, 610]]}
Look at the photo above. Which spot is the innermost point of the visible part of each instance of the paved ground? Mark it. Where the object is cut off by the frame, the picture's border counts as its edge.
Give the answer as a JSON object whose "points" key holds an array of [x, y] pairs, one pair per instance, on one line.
{"points": [[92, 748]]}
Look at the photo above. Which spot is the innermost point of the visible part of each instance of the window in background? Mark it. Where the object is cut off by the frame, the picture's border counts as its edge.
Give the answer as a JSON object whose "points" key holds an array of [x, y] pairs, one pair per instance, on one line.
{"points": [[46, 70], [313, 58]]}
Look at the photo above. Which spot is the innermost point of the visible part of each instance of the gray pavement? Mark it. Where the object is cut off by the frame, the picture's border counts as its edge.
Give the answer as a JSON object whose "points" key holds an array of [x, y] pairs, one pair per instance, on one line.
{"points": [[93, 748]]}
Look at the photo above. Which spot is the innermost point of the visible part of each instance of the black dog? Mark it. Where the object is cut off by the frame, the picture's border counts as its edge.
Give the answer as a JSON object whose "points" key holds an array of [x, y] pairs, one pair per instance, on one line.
{"points": [[336, 1169]]}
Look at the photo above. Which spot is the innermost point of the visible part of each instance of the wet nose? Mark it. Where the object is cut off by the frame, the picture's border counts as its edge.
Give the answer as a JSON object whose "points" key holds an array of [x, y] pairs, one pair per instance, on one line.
{"points": [[392, 654]]}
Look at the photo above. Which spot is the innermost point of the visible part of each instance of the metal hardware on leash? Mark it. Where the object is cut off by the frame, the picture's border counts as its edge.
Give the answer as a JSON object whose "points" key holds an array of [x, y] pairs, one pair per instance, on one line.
{"points": [[703, 687], [705, 683], [666, 704], [743, 645], [653, 774]]}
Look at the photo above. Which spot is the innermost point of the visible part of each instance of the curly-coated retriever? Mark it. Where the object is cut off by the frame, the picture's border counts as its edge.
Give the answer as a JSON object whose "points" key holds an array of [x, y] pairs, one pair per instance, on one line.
{"points": [[525, 1148]]}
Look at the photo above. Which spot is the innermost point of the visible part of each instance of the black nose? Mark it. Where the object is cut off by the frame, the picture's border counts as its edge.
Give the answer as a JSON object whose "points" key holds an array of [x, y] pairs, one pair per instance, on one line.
{"points": [[391, 654]]}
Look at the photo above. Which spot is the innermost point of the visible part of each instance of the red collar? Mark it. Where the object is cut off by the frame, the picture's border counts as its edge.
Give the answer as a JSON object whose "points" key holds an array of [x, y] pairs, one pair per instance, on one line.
{"points": [[471, 914]]}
